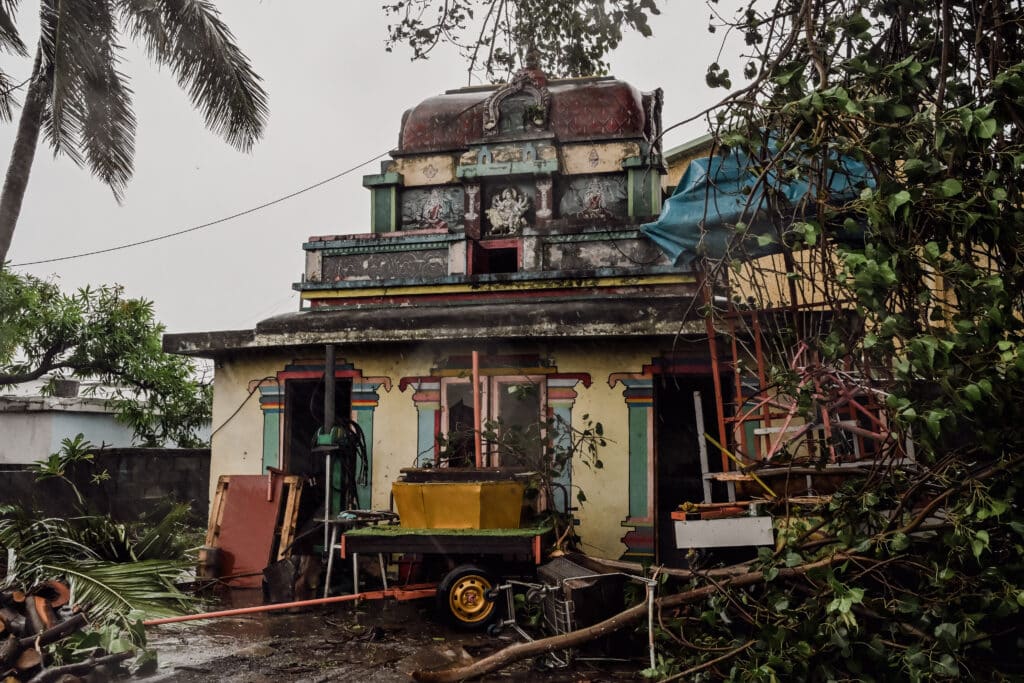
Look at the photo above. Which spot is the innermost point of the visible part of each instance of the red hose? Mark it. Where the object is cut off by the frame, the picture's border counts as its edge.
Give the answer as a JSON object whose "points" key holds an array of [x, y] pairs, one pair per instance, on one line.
{"points": [[368, 595]]}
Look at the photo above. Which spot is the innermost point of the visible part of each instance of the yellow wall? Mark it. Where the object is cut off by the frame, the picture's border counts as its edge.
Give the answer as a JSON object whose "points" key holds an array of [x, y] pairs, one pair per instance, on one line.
{"points": [[677, 165], [237, 446], [607, 489]]}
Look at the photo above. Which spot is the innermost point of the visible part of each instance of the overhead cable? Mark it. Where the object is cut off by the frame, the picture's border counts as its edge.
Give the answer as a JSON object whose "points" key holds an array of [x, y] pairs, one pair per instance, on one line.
{"points": [[208, 224]]}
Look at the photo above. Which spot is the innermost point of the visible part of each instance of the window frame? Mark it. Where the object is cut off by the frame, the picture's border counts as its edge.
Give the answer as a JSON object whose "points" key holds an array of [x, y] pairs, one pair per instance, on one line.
{"points": [[490, 396]]}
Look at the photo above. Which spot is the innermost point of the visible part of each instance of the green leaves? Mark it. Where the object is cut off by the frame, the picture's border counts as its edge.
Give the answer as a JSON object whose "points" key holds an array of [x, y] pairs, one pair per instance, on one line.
{"points": [[951, 187], [103, 562], [894, 202], [492, 36], [98, 333]]}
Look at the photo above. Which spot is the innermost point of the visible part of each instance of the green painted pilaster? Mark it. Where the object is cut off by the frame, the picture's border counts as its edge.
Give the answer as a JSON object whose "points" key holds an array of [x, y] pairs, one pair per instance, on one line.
{"points": [[427, 398], [643, 182], [637, 462], [383, 201], [561, 397], [640, 403], [272, 405], [364, 418], [364, 402]]}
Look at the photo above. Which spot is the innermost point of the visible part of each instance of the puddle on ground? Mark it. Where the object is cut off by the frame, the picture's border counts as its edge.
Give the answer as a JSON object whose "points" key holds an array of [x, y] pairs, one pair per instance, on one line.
{"points": [[374, 642]]}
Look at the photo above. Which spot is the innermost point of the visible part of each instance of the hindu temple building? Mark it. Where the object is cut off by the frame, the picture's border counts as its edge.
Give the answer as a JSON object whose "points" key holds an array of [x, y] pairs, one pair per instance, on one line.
{"points": [[507, 222]]}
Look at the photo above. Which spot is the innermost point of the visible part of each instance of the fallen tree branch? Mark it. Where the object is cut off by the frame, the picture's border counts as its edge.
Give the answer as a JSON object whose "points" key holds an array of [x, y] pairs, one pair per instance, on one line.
{"points": [[599, 564], [54, 634], [56, 672], [514, 653], [710, 663]]}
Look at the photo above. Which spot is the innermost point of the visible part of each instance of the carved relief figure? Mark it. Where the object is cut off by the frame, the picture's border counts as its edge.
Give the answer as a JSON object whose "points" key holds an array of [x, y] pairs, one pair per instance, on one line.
{"points": [[594, 197], [543, 193], [508, 211], [434, 208], [593, 202]]}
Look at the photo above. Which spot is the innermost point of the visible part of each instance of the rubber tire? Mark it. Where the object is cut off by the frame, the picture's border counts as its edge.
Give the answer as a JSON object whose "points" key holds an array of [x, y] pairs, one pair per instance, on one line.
{"points": [[461, 597]]}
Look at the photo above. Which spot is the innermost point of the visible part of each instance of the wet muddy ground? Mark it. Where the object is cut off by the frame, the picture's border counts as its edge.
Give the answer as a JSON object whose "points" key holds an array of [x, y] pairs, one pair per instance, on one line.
{"points": [[377, 642]]}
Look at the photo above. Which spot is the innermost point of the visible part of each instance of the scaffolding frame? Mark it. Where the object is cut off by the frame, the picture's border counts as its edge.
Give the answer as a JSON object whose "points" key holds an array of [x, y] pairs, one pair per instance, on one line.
{"points": [[761, 422]]}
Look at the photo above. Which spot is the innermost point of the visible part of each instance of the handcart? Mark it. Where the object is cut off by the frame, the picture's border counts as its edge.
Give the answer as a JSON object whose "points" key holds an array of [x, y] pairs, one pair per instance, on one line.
{"points": [[461, 568]]}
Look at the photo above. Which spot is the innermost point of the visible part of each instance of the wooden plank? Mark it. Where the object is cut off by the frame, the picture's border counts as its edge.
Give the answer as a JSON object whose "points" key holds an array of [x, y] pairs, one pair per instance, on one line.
{"points": [[723, 533], [290, 517], [217, 511]]}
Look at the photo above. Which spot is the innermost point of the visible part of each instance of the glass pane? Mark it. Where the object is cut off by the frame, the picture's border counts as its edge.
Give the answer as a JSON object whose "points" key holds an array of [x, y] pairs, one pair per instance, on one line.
{"points": [[519, 411], [459, 449]]}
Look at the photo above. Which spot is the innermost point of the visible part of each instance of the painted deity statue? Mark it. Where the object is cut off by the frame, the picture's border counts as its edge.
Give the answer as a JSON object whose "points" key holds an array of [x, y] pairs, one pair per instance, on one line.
{"points": [[508, 211], [434, 209]]}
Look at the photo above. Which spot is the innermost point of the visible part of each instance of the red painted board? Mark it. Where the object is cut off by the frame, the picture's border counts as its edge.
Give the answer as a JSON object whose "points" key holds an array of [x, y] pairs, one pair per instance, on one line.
{"points": [[247, 528]]}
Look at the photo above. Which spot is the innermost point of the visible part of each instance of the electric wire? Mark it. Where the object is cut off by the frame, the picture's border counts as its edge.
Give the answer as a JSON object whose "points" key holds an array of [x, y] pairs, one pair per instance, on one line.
{"points": [[241, 405], [208, 224]]}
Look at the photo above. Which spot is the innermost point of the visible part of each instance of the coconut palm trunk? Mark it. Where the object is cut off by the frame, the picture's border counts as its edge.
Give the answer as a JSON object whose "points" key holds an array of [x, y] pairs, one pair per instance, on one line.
{"points": [[79, 97], [22, 154]]}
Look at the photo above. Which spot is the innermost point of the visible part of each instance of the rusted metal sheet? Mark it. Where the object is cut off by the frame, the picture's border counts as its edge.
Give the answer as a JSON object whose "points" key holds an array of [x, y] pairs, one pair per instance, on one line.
{"points": [[245, 531]]}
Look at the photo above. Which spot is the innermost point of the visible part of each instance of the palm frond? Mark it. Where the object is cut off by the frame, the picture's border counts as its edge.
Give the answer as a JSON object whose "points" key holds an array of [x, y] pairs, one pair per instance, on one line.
{"points": [[10, 40], [107, 135], [162, 540], [7, 88], [189, 37], [66, 41], [35, 541], [115, 590]]}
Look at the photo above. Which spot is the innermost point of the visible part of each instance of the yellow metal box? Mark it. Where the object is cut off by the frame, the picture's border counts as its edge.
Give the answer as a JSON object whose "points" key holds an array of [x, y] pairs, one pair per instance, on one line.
{"points": [[459, 505]]}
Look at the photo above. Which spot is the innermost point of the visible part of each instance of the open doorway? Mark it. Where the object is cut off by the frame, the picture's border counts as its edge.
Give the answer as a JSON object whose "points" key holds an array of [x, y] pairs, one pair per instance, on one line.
{"points": [[303, 416], [677, 476]]}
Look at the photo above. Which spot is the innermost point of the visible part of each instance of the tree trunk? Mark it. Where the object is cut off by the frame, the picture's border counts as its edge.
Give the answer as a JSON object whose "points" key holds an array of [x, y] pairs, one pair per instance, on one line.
{"points": [[22, 154], [514, 653]]}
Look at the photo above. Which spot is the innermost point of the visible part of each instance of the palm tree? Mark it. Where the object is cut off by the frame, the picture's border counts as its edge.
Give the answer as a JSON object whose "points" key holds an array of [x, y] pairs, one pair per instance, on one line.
{"points": [[80, 99]]}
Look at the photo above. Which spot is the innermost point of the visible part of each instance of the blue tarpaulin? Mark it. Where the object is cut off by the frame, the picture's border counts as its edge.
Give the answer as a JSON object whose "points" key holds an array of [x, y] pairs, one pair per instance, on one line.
{"points": [[716, 193]]}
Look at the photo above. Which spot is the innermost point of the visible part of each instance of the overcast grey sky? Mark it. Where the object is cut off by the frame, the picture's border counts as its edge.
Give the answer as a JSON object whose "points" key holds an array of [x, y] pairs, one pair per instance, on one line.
{"points": [[336, 99]]}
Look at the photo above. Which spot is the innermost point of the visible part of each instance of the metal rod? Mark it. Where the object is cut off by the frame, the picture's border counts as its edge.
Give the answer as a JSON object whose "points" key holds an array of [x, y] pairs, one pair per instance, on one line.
{"points": [[266, 608], [477, 445], [330, 363], [650, 622], [329, 384], [702, 445]]}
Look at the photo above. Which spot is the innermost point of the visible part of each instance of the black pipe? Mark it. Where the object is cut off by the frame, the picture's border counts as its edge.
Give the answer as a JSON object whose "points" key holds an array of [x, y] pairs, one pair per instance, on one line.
{"points": [[329, 407]]}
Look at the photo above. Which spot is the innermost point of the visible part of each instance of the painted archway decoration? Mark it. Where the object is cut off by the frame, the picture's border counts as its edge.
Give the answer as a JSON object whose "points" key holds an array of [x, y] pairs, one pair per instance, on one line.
{"points": [[365, 398]]}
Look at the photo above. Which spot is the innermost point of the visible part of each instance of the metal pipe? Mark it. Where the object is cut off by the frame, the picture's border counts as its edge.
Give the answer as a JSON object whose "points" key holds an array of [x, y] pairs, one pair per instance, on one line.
{"points": [[330, 363], [368, 595], [650, 622], [477, 445]]}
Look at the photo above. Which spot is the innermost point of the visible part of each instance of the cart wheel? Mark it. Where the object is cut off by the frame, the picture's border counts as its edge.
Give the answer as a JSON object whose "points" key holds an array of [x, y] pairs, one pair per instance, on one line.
{"points": [[494, 630], [462, 597]]}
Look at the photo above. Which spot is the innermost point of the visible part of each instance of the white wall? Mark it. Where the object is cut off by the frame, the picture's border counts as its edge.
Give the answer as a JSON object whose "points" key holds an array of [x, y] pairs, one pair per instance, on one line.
{"points": [[32, 428]]}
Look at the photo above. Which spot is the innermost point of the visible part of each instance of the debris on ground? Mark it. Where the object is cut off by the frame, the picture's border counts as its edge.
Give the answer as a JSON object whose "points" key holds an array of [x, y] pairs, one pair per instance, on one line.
{"points": [[31, 622]]}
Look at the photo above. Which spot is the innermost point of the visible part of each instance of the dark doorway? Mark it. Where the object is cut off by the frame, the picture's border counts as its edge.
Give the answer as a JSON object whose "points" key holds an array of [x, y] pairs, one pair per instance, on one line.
{"points": [[304, 415], [677, 453]]}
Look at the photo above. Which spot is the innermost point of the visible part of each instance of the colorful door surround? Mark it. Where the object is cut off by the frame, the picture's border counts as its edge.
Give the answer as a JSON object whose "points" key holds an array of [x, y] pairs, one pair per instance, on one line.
{"points": [[365, 398], [638, 392]]}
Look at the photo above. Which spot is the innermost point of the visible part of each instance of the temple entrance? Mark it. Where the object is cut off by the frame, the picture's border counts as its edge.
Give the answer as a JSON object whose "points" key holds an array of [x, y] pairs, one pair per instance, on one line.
{"points": [[303, 416]]}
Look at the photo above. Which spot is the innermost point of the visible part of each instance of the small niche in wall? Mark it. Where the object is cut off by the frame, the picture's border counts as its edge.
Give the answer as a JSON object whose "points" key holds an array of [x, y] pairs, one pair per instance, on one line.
{"points": [[495, 256]]}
